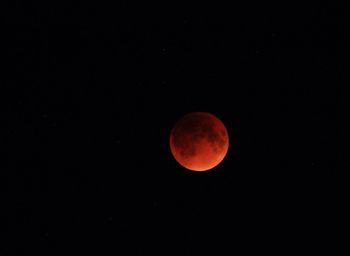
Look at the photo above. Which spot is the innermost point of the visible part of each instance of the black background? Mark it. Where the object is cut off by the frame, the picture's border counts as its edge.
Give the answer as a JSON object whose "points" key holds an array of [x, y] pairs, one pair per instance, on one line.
{"points": [[97, 90]]}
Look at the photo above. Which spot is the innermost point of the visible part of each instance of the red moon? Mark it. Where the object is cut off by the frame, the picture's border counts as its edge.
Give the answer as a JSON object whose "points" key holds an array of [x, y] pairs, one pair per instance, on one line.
{"points": [[199, 141]]}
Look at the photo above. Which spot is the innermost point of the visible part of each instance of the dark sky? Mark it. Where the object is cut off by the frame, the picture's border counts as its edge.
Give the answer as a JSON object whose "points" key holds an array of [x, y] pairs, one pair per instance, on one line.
{"points": [[97, 90]]}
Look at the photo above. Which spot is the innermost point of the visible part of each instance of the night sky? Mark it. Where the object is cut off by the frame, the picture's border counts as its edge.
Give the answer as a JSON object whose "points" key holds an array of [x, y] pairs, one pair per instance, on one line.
{"points": [[95, 91]]}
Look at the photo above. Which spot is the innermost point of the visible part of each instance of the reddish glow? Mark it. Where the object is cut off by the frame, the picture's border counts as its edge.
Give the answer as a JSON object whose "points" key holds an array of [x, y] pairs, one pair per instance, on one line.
{"points": [[199, 141]]}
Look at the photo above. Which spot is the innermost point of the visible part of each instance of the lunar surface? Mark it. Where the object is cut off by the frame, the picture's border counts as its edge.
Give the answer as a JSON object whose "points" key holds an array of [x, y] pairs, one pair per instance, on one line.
{"points": [[199, 141]]}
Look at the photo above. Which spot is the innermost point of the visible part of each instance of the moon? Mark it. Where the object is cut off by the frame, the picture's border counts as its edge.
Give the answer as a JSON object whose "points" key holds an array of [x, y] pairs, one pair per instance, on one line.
{"points": [[199, 141]]}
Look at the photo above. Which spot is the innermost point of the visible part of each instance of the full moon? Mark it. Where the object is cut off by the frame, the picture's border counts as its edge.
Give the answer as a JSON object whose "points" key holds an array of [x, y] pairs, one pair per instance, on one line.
{"points": [[199, 141]]}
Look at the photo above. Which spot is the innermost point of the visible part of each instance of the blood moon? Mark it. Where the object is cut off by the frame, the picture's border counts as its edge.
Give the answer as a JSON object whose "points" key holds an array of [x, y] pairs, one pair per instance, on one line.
{"points": [[199, 141]]}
